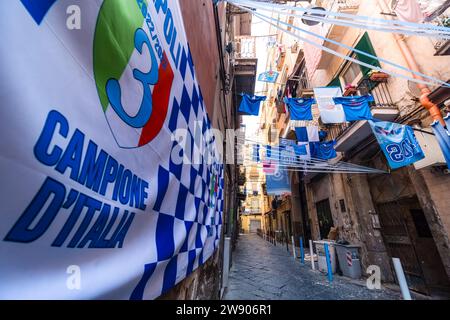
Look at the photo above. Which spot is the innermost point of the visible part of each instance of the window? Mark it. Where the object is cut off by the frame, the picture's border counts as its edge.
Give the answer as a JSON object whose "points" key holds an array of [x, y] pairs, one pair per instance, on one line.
{"points": [[255, 203], [351, 74]]}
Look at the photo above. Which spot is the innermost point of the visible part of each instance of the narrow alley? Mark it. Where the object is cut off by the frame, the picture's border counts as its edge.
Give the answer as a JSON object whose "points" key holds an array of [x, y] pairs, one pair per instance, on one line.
{"points": [[262, 271]]}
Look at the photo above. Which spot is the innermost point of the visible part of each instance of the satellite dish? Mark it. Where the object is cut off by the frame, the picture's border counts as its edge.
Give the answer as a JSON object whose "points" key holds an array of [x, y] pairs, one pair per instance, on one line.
{"points": [[413, 89], [313, 23]]}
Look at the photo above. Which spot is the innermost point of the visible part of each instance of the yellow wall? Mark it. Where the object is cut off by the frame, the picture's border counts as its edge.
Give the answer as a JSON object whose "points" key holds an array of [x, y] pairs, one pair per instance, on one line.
{"points": [[245, 222]]}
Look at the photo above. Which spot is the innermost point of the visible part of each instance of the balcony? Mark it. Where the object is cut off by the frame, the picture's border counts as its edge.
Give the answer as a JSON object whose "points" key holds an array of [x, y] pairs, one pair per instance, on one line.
{"points": [[349, 135], [245, 47], [336, 32], [442, 47]]}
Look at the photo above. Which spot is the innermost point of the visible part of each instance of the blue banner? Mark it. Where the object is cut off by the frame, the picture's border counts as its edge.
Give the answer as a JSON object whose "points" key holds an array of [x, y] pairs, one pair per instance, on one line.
{"points": [[398, 143], [278, 183], [268, 76]]}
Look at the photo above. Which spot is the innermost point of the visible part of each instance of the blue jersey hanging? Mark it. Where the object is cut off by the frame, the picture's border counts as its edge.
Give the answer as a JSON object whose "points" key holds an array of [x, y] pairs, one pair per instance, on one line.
{"points": [[398, 143], [299, 108], [250, 104], [355, 108], [323, 150]]}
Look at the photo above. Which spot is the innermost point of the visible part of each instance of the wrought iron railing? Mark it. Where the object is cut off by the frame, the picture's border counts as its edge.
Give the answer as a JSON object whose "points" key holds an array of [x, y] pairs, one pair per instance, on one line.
{"points": [[341, 5], [379, 91]]}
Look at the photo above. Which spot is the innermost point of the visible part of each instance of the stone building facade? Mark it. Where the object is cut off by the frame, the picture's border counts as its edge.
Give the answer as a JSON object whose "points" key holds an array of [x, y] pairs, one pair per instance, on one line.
{"points": [[403, 213]]}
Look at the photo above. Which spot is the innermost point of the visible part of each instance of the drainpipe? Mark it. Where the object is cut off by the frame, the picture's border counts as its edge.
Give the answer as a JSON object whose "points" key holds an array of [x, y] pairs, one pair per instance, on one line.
{"points": [[425, 101]]}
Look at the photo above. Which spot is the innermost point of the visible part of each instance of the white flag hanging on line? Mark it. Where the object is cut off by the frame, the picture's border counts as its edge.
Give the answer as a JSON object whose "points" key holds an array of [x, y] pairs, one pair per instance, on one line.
{"points": [[329, 111]]}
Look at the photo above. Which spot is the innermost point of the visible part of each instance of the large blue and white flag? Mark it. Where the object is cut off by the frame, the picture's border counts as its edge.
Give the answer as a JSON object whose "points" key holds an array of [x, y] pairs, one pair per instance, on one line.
{"points": [[307, 134], [93, 186], [442, 136], [278, 183], [398, 143]]}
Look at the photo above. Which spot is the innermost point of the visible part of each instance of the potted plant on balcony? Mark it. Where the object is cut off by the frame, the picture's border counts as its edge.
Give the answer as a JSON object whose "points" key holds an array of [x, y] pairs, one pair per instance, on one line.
{"points": [[350, 90], [378, 76]]}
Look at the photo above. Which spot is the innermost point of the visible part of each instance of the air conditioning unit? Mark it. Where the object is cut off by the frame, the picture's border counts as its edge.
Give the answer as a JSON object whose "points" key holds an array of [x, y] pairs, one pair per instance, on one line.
{"points": [[431, 149]]}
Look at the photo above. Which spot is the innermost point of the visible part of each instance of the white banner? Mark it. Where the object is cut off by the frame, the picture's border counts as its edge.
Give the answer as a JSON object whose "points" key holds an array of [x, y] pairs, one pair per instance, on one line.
{"points": [[98, 200], [329, 111]]}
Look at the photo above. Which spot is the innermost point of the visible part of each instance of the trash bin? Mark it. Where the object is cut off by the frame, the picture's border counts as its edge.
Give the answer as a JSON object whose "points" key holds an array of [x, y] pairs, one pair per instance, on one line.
{"points": [[349, 261], [321, 258]]}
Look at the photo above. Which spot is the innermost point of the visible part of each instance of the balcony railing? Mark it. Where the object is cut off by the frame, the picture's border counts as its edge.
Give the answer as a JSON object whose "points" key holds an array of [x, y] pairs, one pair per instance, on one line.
{"points": [[245, 47], [382, 99], [341, 5]]}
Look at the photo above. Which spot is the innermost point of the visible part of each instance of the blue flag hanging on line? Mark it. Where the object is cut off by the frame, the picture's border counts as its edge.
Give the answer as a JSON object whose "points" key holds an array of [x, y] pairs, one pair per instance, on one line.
{"points": [[299, 108], [256, 153], [250, 104], [398, 143], [442, 136], [323, 150], [268, 76], [278, 183], [355, 108], [307, 134]]}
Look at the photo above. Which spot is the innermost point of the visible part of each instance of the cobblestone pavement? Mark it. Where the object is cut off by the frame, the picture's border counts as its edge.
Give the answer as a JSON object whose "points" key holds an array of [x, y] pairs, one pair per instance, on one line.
{"points": [[261, 271]]}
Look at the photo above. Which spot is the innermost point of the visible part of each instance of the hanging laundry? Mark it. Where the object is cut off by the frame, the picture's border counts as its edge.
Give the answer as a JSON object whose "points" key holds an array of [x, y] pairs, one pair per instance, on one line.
{"points": [[298, 150], [442, 136], [287, 142], [307, 134], [269, 167], [322, 135], [398, 143], [299, 108], [323, 150], [330, 112], [256, 153], [409, 11], [250, 104], [287, 155], [355, 108]]}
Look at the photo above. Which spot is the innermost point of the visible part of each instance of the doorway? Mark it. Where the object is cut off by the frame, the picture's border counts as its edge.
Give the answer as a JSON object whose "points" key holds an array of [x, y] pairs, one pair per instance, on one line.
{"points": [[255, 224], [325, 218], [408, 237]]}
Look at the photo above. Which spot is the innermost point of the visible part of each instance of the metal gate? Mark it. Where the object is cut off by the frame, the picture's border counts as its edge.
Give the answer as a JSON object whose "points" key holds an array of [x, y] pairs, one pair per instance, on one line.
{"points": [[254, 225], [393, 220]]}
